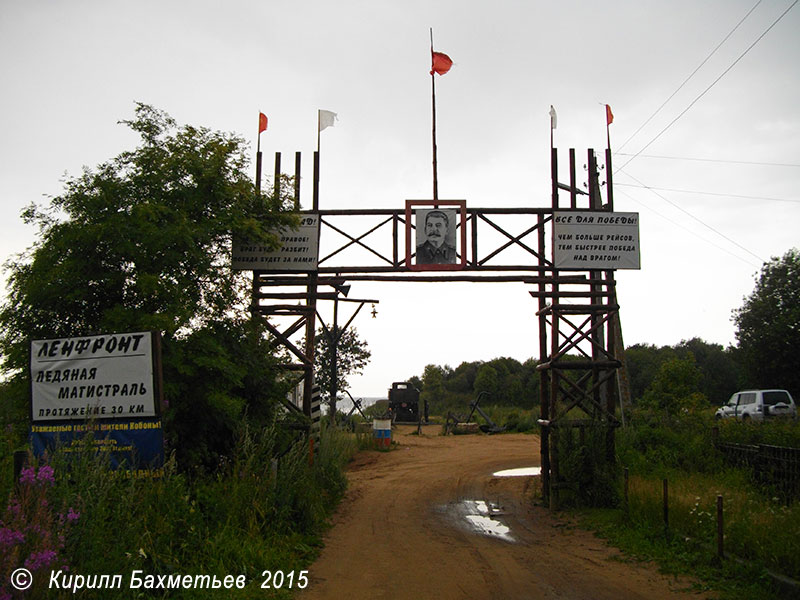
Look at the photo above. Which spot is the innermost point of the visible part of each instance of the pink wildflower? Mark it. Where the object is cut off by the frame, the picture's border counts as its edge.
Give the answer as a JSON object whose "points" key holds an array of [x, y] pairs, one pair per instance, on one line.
{"points": [[10, 537], [46, 474], [28, 475], [38, 560], [73, 515]]}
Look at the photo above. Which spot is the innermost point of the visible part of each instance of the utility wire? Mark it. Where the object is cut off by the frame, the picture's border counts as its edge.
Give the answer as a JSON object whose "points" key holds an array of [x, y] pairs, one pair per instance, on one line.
{"points": [[685, 81], [707, 193], [704, 92], [686, 229], [715, 160], [704, 224]]}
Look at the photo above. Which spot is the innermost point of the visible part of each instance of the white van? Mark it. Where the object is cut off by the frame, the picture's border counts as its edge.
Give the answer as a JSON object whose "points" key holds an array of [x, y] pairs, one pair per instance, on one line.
{"points": [[758, 405]]}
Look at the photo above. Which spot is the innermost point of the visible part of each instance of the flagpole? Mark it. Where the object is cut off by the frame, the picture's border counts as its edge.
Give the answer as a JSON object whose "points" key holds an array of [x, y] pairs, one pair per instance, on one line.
{"points": [[258, 164], [433, 111], [319, 124]]}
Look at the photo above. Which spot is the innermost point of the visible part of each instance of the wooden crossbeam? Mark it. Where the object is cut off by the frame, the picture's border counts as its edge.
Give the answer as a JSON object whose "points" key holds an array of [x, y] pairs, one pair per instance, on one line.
{"points": [[289, 345], [355, 241], [513, 240]]}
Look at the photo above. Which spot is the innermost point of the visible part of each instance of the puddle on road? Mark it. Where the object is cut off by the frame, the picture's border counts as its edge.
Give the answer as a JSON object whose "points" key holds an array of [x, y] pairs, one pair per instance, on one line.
{"points": [[523, 472], [480, 516]]}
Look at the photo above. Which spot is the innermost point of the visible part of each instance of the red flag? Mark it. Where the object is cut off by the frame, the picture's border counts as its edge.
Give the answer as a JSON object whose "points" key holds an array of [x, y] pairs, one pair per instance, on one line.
{"points": [[609, 115], [440, 63], [262, 122]]}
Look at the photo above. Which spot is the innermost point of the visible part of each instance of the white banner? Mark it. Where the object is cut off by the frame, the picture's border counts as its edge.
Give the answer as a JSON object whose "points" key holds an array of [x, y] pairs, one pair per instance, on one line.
{"points": [[595, 240], [299, 250], [98, 376]]}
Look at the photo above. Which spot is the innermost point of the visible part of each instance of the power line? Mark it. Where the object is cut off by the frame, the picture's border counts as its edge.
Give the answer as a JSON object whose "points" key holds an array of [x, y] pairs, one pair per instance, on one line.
{"points": [[686, 229], [715, 160], [704, 92], [708, 193], [685, 81], [703, 223]]}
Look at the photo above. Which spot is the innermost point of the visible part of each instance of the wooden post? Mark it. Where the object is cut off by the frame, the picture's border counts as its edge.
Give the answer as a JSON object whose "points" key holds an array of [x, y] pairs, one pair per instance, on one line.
{"points": [[544, 380], [554, 433], [311, 303], [720, 530], [277, 182], [256, 274], [297, 162], [334, 347], [625, 492], [573, 189], [609, 180], [666, 509]]}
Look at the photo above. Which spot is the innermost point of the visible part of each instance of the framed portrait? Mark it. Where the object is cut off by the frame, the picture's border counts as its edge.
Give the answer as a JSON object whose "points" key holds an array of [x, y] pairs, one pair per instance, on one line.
{"points": [[436, 235]]}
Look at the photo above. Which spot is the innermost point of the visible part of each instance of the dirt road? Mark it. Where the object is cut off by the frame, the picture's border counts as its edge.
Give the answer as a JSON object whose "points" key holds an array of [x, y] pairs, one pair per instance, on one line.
{"points": [[429, 520]]}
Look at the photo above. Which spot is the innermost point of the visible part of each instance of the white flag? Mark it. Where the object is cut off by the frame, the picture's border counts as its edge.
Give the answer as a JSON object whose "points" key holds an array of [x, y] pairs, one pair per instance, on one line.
{"points": [[326, 119], [553, 117]]}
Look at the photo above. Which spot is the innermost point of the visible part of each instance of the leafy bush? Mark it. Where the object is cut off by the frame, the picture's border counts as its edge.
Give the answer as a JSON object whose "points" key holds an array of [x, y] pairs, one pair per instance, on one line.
{"points": [[649, 446]]}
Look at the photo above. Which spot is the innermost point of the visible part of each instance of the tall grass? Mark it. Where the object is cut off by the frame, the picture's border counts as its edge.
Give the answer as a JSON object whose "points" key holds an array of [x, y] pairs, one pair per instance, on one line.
{"points": [[760, 528], [774, 432], [757, 527], [248, 518]]}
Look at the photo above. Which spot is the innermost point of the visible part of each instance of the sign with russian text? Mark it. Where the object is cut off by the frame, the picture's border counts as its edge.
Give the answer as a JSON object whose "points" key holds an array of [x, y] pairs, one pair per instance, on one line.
{"points": [[595, 240], [299, 250], [137, 445], [94, 377]]}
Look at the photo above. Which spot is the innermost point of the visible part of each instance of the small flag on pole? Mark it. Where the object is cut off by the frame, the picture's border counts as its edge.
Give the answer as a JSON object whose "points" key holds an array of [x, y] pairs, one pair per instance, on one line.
{"points": [[609, 115], [262, 122], [553, 118], [440, 63], [326, 119]]}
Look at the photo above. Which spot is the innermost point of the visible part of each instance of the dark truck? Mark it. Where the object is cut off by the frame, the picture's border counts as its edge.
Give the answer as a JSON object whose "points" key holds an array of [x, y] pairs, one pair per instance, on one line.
{"points": [[404, 403]]}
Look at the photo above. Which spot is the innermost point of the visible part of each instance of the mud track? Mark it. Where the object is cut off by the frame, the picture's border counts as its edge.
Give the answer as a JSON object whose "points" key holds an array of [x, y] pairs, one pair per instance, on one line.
{"points": [[429, 520]]}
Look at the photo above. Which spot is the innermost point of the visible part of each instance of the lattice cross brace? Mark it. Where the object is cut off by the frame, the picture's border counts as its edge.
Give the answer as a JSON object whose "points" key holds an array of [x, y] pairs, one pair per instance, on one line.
{"points": [[585, 395], [569, 343], [288, 344], [356, 240], [514, 240]]}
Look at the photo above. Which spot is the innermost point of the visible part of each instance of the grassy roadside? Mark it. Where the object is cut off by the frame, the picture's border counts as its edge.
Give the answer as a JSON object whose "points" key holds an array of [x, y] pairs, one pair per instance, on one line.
{"points": [[761, 526], [251, 517], [681, 556]]}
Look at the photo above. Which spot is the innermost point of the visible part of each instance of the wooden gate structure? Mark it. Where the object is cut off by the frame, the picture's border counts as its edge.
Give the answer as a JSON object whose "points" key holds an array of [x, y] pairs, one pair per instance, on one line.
{"points": [[579, 335]]}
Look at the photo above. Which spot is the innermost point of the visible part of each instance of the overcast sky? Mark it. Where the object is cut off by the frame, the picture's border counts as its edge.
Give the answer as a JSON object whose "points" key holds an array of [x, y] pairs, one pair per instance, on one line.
{"points": [[71, 70]]}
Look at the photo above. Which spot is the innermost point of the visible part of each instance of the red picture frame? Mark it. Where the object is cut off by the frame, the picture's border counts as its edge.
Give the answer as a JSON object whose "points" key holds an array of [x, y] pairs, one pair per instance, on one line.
{"points": [[461, 256]]}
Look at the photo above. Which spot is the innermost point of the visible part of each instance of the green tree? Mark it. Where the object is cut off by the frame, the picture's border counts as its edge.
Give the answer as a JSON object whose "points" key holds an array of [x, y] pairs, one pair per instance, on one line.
{"points": [[433, 391], [463, 378], [352, 355], [768, 325], [487, 380], [644, 361], [719, 368], [675, 389], [142, 242]]}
